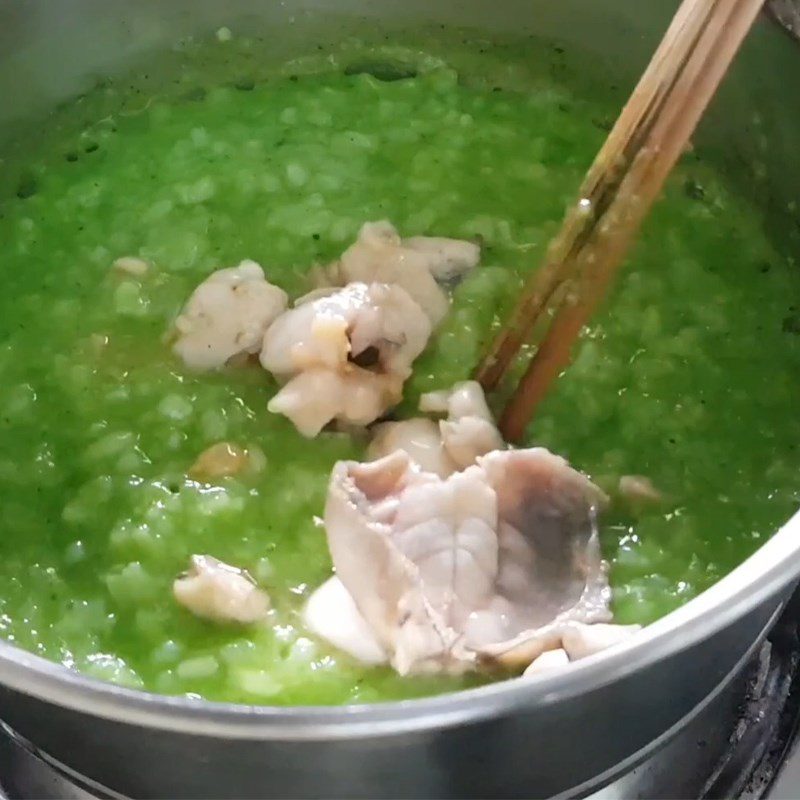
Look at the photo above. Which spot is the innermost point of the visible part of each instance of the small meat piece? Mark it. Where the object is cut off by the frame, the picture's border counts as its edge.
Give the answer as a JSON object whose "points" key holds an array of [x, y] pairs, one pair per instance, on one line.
{"points": [[325, 330], [468, 438], [639, 489], [133, 266], [464, 399], [420, 438], [221, 460], [345, 356], [496, 559], [581, 641], [332, 615], [547, 662], [449, 446], [379, 254], [470, 430], [227, 316], [218, 592], [448, 259], [353, 396]]}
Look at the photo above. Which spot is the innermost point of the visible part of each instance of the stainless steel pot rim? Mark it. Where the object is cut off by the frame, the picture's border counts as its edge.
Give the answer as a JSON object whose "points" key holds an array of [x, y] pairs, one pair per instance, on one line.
{"points": [[769, 570]]}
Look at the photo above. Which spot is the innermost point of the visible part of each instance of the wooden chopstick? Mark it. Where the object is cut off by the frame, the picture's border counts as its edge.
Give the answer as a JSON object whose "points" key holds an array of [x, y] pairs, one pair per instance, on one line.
{"points": [[618, 191]]}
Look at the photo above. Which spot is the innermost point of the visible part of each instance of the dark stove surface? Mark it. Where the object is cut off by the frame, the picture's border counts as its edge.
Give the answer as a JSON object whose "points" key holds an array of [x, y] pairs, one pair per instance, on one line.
{"points": [[742, 744]]}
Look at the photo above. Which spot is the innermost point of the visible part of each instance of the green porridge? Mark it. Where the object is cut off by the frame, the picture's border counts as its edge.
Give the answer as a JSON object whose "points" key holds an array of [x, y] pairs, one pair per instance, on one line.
{"points": [[690, 376]]}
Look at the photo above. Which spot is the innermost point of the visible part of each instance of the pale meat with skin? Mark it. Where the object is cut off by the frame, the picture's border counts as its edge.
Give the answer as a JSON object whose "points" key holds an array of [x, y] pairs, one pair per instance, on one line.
{"points": [[494, 563], [218, 592], [449, 445], [551, 571], [227, 316], [344, 355], [379, 254]]}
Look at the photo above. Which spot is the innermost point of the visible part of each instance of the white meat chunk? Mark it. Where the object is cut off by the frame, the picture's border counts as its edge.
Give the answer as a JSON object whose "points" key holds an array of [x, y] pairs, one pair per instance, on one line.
{"points": [[469, 430], [493, 560], [332, 615], [379, 254], [547, 662], [448, 259], [581, 641], [464, 399], [227, 316], [354, 396], [216, 591], [452, 444], [345, 355], [418, 437]]}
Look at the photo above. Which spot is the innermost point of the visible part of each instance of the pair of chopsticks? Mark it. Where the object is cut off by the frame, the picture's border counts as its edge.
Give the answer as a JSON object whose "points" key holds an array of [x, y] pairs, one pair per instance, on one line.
{"points": [[621, 186]]}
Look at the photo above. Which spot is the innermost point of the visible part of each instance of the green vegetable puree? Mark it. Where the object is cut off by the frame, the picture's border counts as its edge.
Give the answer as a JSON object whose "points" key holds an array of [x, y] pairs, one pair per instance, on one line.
{"points": [[690, 376]]}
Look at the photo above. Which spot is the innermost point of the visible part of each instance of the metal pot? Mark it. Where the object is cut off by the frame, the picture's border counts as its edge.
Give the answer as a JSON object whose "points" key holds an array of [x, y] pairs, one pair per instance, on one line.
{"points": [[558, 734]]}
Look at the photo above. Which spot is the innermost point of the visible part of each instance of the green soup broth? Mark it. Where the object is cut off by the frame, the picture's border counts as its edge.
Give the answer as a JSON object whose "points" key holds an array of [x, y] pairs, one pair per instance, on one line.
{"points": [[690, 375]]}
